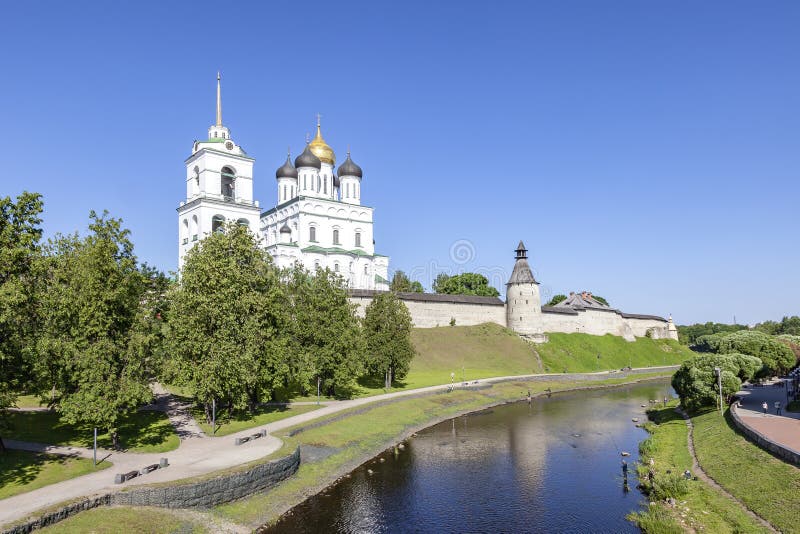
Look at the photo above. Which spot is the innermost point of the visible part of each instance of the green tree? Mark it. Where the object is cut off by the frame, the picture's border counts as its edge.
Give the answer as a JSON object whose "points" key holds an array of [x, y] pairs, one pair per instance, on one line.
{"points": [[689, 334], [402, 283], [387, 331], [600, 299], [440, 282], [696, 381], [326, 342], [225, 320], [556, 299], [89, 302], [19, 251], [776, 356], [465, 284]]}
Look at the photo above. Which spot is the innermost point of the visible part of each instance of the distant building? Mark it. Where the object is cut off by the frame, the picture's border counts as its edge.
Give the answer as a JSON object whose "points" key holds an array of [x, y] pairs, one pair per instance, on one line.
{"points": [[318, 220]]}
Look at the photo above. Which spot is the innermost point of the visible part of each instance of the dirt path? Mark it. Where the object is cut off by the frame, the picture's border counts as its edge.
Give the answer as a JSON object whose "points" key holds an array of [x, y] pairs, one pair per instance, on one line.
{"points": [[702, 475]]}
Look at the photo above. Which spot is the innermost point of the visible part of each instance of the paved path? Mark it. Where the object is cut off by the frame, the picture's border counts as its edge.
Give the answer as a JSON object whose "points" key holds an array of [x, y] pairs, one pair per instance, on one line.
{"points": [[783, 429], [697, 469], [179, 413], [200, 456]]}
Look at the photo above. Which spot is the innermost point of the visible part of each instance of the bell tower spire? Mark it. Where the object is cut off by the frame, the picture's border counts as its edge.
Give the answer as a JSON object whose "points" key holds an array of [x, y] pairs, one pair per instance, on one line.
{"points": [[219, 102]]}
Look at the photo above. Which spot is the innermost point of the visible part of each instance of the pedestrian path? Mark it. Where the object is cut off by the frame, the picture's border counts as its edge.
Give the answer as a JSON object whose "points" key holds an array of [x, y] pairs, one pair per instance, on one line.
{"points": [[196, 457], [783, 429], [179, 413]]}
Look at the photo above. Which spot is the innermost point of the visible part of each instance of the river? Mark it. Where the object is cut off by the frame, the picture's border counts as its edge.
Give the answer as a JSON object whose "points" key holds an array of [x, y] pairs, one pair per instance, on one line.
{"points": [[553, 465]]}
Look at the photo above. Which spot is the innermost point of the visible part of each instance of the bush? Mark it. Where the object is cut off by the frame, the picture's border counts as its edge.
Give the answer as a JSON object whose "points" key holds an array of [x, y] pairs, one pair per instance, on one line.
{"points": [[776, 357], [669, 485]]}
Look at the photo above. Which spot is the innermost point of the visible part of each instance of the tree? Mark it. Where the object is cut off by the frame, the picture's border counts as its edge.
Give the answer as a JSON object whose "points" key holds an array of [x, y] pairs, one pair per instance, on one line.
{"points": [[19, 251], [688, 334], [387, 331], [326, 342], [696, 382], [787, 325], [556, 299], [225, 322], [465, 284], [440, 282], [89, 303], [776, 356], [601, 300], [402, 283]]}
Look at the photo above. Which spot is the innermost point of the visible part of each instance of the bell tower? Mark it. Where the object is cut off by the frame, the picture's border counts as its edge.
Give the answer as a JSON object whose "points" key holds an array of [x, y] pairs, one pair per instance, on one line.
{"points": [[219, 186]]}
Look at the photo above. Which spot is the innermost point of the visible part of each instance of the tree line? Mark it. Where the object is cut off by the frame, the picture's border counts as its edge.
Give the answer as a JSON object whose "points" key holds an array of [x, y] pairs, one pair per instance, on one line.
{"points": [[86, 327]]}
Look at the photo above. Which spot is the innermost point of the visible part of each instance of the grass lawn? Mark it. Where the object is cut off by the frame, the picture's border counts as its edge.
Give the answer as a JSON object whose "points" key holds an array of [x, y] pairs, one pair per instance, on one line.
{"points": [[112, 520], [29, 401], [709, 510], [769, 486], [245, 420], [139, 432], [365, 434], [577, 353], [22, 471]]}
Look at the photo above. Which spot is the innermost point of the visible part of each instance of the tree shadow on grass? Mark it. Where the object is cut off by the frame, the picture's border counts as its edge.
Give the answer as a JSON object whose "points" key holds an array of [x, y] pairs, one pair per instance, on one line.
{"points": [[23, 467], [377, 382]]}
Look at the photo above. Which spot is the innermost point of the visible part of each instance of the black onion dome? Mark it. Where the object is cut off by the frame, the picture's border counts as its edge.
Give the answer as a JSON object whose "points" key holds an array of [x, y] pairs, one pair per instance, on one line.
{"points": [[349, 168], [307, 159], [287, 170], [285, 229]]}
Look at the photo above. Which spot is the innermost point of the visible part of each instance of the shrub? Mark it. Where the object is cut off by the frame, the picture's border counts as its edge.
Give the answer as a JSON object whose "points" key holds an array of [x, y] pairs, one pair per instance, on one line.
{"points": [[669, 485], [776, 357], [696, 382]]}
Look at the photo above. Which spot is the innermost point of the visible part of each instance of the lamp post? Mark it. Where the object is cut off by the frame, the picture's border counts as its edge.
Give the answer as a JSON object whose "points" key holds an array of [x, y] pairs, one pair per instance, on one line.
{"points": [[718, 372], [213, 416]]}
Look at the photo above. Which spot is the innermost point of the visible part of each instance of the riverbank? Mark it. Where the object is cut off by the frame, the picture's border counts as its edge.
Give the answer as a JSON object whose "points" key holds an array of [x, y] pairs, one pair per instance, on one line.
{"points": [[696, 505], [338, 443]]}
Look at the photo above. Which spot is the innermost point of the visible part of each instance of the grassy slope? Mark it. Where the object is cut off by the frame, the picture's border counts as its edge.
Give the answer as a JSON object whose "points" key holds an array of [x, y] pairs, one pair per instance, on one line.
{"points": [[578, 353], [139, 432], [22, 471], [113, 520], [767, 485], [708, 509]]}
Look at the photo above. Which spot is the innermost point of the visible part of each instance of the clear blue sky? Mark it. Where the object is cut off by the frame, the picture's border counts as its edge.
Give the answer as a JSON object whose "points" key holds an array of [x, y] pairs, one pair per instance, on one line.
{"points": [[647, 151]]}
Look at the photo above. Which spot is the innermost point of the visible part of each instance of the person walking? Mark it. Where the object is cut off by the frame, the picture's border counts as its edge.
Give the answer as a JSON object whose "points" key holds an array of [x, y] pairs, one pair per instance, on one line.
{"points": [[765, 407], [778, 407]]}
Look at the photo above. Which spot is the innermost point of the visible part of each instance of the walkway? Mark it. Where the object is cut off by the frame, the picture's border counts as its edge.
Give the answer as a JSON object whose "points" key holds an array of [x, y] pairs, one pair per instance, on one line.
{"points": [[200, 456], [783, 429]]}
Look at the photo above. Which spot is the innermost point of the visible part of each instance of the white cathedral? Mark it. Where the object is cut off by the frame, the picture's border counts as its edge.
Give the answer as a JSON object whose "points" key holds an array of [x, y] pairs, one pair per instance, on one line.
{"points": [[318, 219]]}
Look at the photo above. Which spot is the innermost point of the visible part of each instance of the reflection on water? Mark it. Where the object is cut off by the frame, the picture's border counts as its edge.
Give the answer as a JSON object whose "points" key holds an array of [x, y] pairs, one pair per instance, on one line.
{"points": [[551, 466]]}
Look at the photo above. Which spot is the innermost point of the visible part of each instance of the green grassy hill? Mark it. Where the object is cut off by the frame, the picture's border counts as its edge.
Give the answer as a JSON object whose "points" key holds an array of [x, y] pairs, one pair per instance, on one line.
{"points": [[579, 352], [489, 350]]}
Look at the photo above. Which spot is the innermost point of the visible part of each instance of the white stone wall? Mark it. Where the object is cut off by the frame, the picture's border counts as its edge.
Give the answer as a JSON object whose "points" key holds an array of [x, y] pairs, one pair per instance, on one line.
{"points": [[430, 314]]}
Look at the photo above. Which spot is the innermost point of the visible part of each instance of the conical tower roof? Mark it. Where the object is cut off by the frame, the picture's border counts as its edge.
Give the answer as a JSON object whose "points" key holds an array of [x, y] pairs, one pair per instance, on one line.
{"points": [[522, 273]]}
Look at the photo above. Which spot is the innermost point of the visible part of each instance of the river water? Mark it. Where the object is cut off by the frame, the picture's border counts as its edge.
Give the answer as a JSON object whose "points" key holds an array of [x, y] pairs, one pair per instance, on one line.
{"points": [[551, 466]]}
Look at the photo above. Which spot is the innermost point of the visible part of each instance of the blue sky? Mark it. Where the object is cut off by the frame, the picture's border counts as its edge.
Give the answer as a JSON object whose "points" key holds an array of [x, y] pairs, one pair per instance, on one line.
{"points": [[647, 151]]}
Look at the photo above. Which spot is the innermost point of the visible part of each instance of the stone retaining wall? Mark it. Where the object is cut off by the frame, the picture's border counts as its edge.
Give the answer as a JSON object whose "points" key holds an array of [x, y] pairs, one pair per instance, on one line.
{"points": [[781, 451], [218, 490]]}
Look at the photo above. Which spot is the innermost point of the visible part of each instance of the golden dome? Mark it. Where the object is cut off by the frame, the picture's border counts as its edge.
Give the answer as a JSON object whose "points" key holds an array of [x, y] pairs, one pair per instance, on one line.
{"points": [[321, 149]]}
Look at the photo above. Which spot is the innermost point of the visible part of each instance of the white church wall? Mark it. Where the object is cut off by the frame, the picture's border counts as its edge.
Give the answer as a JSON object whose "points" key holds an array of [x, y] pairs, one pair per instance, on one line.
{"points": [[426, 314]]}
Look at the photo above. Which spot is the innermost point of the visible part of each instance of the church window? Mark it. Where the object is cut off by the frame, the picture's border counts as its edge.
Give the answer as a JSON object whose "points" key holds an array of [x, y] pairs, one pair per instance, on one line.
{"points": [[243, 222], [316, 265], [347, 190], [228, 188], [366, 269], [336, 237], [325, 185], [357, 189], [526, 302], [305, 184], [336, 267], [217, 223], [358, 239], [312, 234]]}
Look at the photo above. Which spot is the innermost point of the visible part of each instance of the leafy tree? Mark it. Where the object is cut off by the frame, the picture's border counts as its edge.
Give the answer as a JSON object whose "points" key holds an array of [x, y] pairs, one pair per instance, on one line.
{"points": [[402, 283], [696, 382], [387, 331], [601, 300], [326, 342], [556, 299], [787, 325], [440, 282], [19, 250], [465, 284], [689, 334], [776, 356], [225, 320], [89, 303]]}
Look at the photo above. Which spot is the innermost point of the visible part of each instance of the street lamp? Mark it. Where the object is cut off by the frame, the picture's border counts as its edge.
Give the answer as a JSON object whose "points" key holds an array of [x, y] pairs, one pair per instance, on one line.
{"points": [[718, 372]]}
